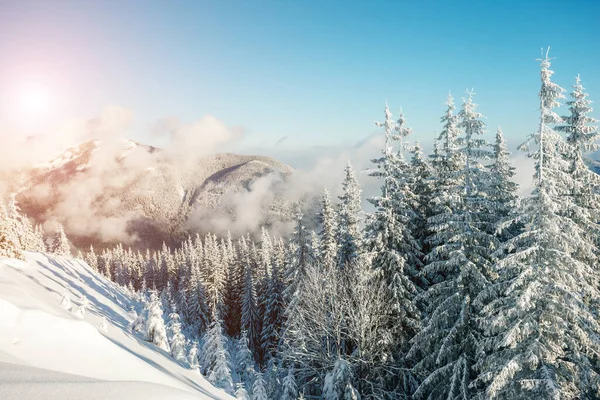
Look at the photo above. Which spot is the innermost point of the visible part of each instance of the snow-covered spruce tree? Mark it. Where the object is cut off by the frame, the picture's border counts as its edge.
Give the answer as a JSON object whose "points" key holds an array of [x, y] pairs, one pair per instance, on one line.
{"points": [[233, 296], [502, 191], [60, 244], [259, 390], [459, 264], [395, 253], [582, 136], [137, 321], [421, 184], [541, 335], [19, 224], [328, 241], [244, 358], [177, 338], [198, 312], [241, 393], [274, 313], [338, 383], [215, 357], [214, 274], [9, 245], [155, 331], [91, 259], [250, 316], [37, 241], [349, 216], [193, 356], [300, 257], [289, 389]]}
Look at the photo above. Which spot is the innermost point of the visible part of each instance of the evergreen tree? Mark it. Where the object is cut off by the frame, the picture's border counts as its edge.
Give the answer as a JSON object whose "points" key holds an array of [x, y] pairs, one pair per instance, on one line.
{"points": [[37, 243], [274, 312], [396, 254], [349, 215], [198, 312], [60, 245], [177, 339], [155, 331], [459, 263], [582, 136], [289, 388], [421, 184], [215, 357], [9, 245], [91, 259], [233, 294], [338, 383], [542, 336], [300, 246], [241, 393], [328, 242], [502, 190], [19, 224], [215, 274], [193, 355], [250, 316], [259, 391], [244, 359]]}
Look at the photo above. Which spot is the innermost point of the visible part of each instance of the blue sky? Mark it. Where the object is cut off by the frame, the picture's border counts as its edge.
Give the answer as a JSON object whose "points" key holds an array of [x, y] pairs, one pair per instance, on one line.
{"points": [[315, 72]]}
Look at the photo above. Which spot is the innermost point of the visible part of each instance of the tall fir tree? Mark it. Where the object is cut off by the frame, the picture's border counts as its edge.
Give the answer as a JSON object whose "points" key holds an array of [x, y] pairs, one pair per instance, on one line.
{"points": [[60, 244], [328, 241], [542, 336], [349, 217], [396, 254]]}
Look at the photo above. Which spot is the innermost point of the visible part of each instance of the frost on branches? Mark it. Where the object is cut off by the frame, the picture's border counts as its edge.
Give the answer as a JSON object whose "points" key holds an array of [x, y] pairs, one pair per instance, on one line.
{"points": [[541, 333], [60, 244], [155, 325]]}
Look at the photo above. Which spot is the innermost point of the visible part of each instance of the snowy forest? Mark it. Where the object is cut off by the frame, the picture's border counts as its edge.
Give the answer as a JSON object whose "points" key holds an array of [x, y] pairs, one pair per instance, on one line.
{"points": [[454, 287]]}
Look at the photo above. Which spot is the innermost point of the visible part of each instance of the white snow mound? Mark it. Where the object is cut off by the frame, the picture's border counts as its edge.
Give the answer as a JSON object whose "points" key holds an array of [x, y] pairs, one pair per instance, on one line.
{"points": [[51, 353]]}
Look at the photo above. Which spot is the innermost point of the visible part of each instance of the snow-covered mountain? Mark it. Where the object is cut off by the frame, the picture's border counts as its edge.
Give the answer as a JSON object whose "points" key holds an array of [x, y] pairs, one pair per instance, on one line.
{"points": [[48, 352], [123, 191]]}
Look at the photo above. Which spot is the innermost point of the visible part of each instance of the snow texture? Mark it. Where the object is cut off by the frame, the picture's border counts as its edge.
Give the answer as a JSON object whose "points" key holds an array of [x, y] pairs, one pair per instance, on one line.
{"points": [[51, 353]]}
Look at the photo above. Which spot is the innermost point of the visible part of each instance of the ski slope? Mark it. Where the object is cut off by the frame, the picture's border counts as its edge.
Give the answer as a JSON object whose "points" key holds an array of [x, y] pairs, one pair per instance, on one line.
{"points": [[49, 352]]}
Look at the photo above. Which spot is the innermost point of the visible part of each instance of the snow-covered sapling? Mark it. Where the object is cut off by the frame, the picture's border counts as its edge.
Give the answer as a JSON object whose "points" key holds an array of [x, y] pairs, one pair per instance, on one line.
{"points": [[290, 390], [241, 393], [155, 325], [82, 307], [259, 391], [177, 341], [66, 300], [137, 323], [193, 356]]}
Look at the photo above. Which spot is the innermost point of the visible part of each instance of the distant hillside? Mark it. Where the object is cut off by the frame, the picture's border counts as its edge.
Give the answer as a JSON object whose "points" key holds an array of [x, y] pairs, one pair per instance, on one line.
{"points": [[128, 192]]}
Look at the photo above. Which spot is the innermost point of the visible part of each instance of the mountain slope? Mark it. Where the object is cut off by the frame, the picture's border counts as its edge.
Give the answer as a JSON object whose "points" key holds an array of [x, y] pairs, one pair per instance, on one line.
{"points": [[50, 350], [122, 191]]}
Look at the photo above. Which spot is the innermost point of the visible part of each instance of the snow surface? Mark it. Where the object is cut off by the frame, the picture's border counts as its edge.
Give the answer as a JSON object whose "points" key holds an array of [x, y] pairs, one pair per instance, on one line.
{"points": [[51, 353]]}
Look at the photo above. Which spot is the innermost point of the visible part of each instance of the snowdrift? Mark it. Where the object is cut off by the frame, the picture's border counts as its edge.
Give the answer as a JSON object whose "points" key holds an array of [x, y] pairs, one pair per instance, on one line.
{"points": [[47, 351]]}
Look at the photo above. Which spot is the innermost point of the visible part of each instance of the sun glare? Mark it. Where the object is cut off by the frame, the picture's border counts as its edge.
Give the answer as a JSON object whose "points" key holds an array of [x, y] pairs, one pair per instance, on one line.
{"points": [[34, 100]]}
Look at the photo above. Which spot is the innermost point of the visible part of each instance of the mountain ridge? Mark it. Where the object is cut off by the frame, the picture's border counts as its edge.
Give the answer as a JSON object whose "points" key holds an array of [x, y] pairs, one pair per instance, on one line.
{"points": [[124, 191]]}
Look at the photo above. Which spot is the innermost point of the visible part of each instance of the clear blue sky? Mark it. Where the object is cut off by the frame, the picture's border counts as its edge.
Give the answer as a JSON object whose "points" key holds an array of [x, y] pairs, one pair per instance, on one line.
{"points": [[318, 72]]}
